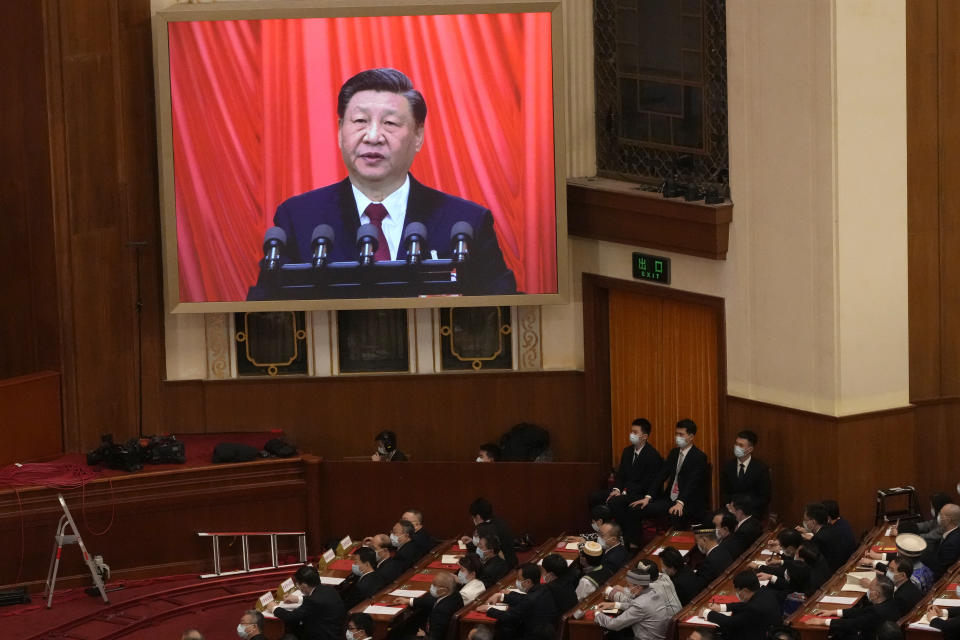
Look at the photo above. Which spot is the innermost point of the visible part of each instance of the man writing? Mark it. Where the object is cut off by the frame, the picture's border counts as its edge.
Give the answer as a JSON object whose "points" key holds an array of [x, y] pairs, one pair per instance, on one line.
{"points": [[380, 130]]}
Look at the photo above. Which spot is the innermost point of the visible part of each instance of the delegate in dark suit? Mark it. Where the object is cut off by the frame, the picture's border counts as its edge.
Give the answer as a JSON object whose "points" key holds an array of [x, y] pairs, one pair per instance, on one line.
{"points": [[321, 615], [336, 206], [950, 626], [715, 563], [940, 557], [834, 545], [527, 614], [441, 612], [687, 584], [405, 557], [691, 482], [747, 532], [906, 596], [365, 587], [493, 569], [749, 620], [864, 620], [755, 483]]}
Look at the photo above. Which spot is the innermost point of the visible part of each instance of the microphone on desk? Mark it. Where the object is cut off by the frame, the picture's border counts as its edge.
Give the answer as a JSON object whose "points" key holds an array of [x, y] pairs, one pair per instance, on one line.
{"points": [[274, 241], [367, 242], [460, 236], [415, 240], [320, 243]]}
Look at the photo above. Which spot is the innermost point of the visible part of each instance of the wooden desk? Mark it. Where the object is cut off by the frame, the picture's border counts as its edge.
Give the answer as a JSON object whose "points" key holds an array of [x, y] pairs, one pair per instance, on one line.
{"points": [[835, 587], [468, 617], [913, 629], [721, 589], [418, 578], [584, 628]]}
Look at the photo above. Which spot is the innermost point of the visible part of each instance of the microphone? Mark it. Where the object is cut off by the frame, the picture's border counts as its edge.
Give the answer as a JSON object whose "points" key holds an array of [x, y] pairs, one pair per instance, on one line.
{"points": [[274, 241], [320, 243], [460, 235], [367, 242], [415, 240]]}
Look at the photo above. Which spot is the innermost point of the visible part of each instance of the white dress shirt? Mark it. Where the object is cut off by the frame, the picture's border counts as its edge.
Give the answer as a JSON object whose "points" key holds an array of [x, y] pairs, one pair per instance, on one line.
{"points": [[396, 206]]}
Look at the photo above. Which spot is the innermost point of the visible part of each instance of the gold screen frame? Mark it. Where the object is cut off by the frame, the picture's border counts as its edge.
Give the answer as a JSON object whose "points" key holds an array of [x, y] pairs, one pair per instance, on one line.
{"points": [[256, 10]]}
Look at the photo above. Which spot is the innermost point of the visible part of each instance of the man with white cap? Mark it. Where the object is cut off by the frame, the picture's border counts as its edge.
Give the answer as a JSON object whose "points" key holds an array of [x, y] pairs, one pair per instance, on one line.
{"points": [[911, 546], [594, 573], [646, 613]]}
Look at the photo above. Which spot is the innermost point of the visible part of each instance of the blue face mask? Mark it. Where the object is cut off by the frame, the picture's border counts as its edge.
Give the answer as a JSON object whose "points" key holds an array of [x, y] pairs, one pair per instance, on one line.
{"points": [[394, 540], [481, 553], [356, 570], [462, 576], [739, 451]]}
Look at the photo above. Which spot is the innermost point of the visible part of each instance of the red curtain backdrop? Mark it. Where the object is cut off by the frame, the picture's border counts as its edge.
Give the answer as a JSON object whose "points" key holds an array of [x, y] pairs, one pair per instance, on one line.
{"points": [[254, 122]]}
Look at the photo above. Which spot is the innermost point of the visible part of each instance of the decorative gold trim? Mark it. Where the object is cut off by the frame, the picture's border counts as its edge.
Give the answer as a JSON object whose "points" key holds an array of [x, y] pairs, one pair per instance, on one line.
{"points": [[272, 367], [446, 330], [217, 334], [529, 345]]}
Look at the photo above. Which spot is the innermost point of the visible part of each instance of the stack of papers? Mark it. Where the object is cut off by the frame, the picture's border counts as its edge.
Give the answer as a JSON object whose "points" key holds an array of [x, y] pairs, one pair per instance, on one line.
{"points": [[922, 623], [407, 593], [330, 580], [946, 602], [699, 620], [449, 558], [838, 599], [375, 609]]}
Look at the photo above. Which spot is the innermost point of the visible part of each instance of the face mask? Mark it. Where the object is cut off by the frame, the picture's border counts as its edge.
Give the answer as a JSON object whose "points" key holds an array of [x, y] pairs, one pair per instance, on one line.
{"points": [[681, 441], [634, 439], [476, 540], [382, 450], [242, 633], [933, 512], [462, 576], [481, 553], [739, 451], [603, 543], [519, 585], [595, 526], [356, 570], [394, 539], [433, 590], [349, 634], [890, 575], [479, 459]]}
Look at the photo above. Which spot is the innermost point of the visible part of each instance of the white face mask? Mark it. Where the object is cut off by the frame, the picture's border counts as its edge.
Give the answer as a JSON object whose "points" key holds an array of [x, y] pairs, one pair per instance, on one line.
{"points": [[479, 459], [933, 512], [681, 441], [519, 585], [634, 439], [382, 450], [476, 540], [242, 633], [890, 575], [739, 451], [433, 591], [481, 553], [462, 576], [349, 634], [394, 540], [595, 526], [958, 590]]}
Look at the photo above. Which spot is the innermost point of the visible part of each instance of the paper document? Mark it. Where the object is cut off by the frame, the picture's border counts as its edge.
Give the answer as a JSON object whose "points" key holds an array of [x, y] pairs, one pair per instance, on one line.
{"points": [[462, 546], [449, 558], [699, 620], [946, 602], [838, 599], [857, 575], [376, 609], [766, 552], [330, 580], [329, 556], [850, 586], [572, 546], [407, 593], [346, 543]]}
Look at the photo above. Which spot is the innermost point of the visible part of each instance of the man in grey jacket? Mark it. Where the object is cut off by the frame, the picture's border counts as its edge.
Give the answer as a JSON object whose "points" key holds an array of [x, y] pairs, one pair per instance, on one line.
{"points": [[647, 613]]}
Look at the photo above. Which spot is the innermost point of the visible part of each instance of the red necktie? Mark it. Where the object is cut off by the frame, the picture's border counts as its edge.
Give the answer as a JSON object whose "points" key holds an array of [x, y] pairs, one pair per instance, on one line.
{"points": [[376, 213]]}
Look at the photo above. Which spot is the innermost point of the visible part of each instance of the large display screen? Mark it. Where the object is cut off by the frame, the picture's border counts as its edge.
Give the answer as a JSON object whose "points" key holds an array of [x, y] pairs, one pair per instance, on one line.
{"points": [[360, 160]]}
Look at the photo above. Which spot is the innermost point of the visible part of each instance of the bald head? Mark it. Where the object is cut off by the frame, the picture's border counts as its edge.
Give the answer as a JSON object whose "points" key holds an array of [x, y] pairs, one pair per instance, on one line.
{"points": [[191, 634], [445, 582], [949, 516]]}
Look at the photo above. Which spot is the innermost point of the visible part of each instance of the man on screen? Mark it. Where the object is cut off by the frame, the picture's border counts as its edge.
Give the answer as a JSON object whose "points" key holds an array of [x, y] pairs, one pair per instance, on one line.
{"points": [[381, 129]]}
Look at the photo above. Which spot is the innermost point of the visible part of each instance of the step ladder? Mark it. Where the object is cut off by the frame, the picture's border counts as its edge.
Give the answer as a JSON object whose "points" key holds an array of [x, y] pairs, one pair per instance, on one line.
{"points": [[245, 547], [64, 537]]}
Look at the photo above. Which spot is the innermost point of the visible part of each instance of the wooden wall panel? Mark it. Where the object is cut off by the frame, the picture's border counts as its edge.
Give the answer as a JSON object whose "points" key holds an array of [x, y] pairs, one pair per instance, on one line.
{"points": [[949, 138], [30, 415], [937, 443], [923, 192], [543, 499], [30, 340], [437, 417]]}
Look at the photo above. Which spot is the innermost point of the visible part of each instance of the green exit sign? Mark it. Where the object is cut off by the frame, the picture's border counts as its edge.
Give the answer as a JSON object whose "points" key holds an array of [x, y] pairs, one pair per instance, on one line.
{"points": [[652, 268]]}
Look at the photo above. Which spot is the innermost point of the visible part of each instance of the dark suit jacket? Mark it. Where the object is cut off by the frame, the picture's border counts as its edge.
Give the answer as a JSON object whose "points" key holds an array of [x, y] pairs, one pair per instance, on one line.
{"points": [[733, 545], [365, 587], [834, 544], [687, 584], [907, 595], [527, 613], [321, 615], [635, 477], [751, 619], [755, 483], [615, 557], [437, 211], [441, 612], [712, 566], [939, 557], [864, 620], [564, 594], [949, 627], [692, 480], [506, 540], [748, 532], [493, 569], [424, 541]]}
